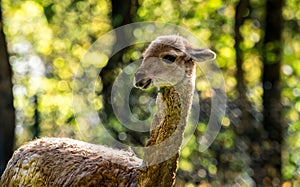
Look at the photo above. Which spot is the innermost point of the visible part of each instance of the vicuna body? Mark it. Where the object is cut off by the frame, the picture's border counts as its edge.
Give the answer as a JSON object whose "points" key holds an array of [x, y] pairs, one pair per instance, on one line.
{"points": [[168, 64]]}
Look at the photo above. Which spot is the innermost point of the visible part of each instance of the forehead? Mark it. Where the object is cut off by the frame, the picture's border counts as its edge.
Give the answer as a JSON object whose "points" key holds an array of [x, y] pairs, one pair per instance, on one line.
{"points": [[165, 44]]}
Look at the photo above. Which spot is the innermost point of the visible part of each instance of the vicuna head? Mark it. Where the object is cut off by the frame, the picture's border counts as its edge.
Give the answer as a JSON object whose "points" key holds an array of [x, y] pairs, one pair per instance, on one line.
{"points": [[169, 64], [168, 60]]}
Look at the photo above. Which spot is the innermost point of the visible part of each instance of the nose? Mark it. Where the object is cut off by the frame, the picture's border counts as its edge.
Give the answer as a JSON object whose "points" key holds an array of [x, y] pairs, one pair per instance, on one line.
{"points": [[139, 79], [138, 76]]}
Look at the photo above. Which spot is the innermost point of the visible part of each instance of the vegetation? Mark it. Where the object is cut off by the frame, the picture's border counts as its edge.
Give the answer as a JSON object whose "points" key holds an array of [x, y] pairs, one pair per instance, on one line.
{"points": [[258, 49]]}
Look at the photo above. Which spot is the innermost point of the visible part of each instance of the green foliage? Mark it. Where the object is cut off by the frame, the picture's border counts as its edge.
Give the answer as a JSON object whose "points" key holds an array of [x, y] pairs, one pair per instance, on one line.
{"points": [[57, 34], [47, 40]]}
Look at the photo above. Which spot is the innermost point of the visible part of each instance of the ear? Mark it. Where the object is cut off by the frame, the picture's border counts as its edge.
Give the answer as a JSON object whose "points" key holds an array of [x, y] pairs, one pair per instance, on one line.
{"points": [[201, 55]]}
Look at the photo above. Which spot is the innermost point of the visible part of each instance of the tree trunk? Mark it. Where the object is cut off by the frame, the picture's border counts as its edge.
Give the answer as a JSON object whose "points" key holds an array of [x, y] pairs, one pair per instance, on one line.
{"points": [[36, 130], [271, 90], [122, 13], [7, 112], [264, 150], [241, 9]]}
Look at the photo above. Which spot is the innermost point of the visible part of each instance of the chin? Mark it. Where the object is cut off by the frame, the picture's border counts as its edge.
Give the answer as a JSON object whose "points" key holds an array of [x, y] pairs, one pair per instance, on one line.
{"points": [[162, 84]]}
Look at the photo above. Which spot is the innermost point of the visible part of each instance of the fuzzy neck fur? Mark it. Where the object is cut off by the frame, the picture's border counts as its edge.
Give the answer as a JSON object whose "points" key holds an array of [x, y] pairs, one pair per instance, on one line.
{"points": [[166, 133]]}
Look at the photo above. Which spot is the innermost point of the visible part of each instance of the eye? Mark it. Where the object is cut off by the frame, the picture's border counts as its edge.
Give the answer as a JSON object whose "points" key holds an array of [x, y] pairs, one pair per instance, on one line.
{"points": [[169, 59]]}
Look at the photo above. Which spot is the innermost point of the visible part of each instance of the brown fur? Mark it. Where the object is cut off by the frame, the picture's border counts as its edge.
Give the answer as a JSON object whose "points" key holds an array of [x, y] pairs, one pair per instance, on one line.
{"points": [[67, 162]]}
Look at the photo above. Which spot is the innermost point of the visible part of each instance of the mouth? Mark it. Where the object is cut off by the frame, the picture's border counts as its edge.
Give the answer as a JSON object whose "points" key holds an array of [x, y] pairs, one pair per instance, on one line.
{"points": [[143, 84]]}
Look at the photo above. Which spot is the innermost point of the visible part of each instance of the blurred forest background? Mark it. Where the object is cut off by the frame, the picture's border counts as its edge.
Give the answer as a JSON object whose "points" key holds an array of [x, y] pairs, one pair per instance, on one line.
{"points": [[258, 49]]}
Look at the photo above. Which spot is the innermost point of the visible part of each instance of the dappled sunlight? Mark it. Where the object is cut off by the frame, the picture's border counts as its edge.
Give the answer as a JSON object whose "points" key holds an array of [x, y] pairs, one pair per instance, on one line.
{"points": [[56, 59], [45, 53]]}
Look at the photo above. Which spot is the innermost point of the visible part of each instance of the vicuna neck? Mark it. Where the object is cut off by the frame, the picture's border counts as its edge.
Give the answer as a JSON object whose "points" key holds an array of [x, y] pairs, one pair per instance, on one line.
{"points": [[166, 135]]}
